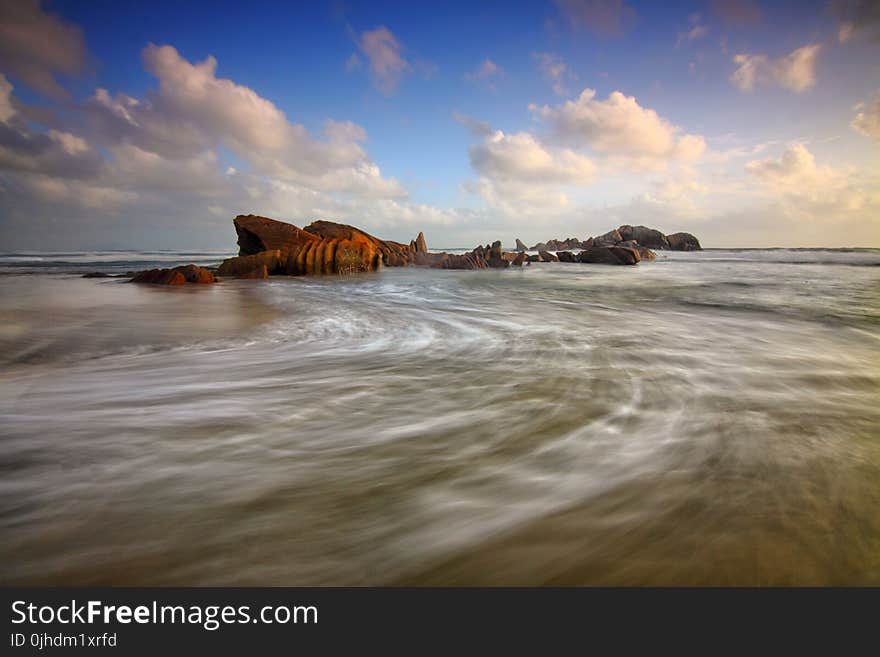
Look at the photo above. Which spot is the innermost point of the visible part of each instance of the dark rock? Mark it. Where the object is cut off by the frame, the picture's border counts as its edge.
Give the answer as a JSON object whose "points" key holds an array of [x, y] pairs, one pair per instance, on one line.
{"points": [[649, 237], [533, 258], [610, 238], [609, 255], [546, 256], [683, 242], [176, 276], [566, 256], [96, 274]]}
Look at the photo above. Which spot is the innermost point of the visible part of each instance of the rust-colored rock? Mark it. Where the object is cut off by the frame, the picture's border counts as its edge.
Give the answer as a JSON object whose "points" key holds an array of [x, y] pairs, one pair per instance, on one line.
{"points": [[240, 266], [176, 276], [519, 259], [546, 256], [421, 245], [322, 247], [260, 272]]}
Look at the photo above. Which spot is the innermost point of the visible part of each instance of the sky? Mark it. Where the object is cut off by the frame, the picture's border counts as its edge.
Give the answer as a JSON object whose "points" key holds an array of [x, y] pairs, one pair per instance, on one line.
{"points": [[133, 125]]}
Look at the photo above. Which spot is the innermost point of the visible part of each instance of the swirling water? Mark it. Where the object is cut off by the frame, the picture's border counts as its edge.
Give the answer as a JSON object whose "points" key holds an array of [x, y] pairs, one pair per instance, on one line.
{"points": [[708, 418]]}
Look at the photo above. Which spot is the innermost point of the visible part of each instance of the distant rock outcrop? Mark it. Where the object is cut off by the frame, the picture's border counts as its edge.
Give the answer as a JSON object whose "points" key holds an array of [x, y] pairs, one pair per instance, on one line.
{"points": [[683, 242], [647, 237], [640, 238], [520, 246], [176, 276]]}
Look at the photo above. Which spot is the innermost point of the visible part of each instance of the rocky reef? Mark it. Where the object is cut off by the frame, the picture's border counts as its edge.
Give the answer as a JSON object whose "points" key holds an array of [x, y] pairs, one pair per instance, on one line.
{"points": [[268, 247], [639, 237]]}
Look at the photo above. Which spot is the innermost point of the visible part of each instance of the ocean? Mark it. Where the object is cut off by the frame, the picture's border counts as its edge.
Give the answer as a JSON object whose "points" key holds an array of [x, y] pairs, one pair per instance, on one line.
{"points": [[709, 418]]}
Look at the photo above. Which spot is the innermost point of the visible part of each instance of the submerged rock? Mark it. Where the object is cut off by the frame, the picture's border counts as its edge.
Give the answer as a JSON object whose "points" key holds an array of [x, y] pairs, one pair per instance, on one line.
{"points": [[175, 276]]}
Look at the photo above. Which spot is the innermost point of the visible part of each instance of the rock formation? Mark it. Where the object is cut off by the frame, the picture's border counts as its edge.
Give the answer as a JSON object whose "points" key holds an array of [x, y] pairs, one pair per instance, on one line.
{"points": [[176, 276], [647, 237], [683, 242], [244, 266], [520, 246], [610, 255]]}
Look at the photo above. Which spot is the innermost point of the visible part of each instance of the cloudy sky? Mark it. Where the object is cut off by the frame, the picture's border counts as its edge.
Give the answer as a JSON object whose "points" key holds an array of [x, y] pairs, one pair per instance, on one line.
{"points": [[151, 125]]}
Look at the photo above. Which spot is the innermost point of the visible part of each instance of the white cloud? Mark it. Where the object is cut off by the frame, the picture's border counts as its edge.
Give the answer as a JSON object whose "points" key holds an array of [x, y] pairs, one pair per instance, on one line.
{"points": [[520, 157], [696, 31], [677, 197], [810, 189], [194, 111], [621, 130], [485, 74], [518, 174], [554, 70], [796, 71], [602, 17], [35, 46], [387, 64], [867, 121]]}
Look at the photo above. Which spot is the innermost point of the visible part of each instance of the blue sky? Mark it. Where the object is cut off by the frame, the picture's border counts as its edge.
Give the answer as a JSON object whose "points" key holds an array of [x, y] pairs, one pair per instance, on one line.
{"points": [[747, 123]]}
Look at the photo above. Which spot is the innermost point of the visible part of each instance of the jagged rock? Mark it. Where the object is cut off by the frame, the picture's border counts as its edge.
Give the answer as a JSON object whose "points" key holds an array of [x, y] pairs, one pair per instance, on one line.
{"points": [[421, 245], [646, 254], [323, 247], [683, 242], [540, 246], [242, 265], [610, 238], [649, 237], [520, 246], [546, 256], [566, 256], [609, 255], [519, 259], [176, 276]]}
